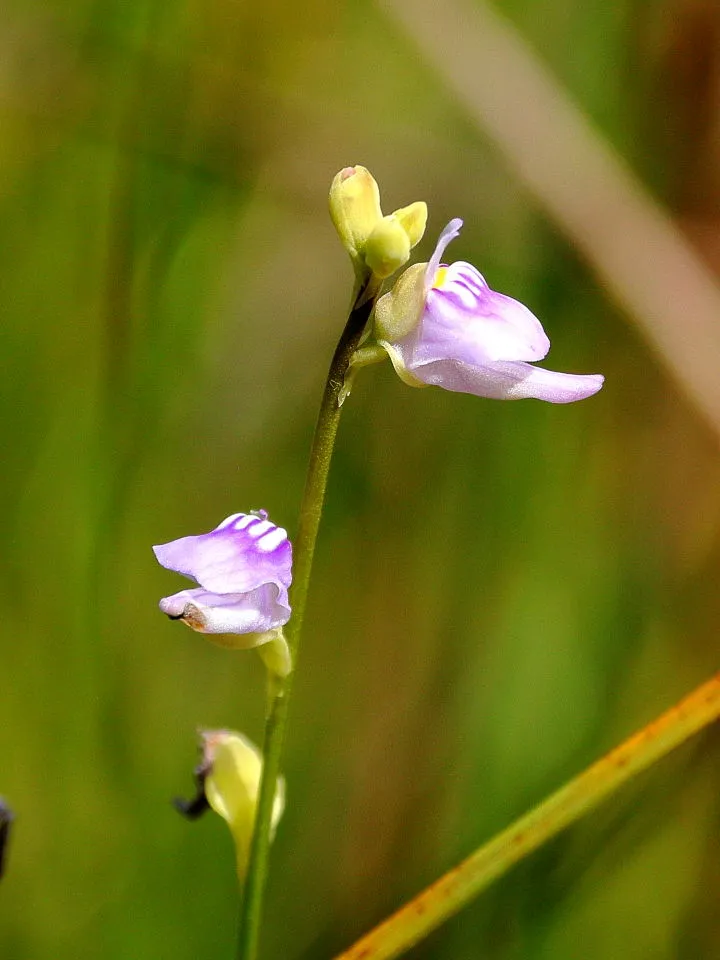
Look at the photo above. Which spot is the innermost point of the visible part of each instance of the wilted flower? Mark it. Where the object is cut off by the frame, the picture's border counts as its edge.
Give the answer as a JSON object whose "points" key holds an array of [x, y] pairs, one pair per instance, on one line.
{"points": [[443, 325], [230, 773], [243, 571]]}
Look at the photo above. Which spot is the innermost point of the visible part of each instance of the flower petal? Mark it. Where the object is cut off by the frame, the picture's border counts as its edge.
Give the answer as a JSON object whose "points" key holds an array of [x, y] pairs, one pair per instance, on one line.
{"points": [[451, 231], [505, 380], [465, 320], [245, 551], [255, 612]]}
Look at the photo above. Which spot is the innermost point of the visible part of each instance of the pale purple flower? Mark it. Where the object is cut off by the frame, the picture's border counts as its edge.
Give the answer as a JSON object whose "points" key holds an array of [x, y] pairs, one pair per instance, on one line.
{"points": [[453, 331], [243, 571]]}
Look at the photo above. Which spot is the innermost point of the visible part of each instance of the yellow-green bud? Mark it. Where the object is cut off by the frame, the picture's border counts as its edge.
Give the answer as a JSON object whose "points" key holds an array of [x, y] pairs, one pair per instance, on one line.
{"points": [[355, 207], [387, 248], [376, 244], [413, 220], [398, 313]]}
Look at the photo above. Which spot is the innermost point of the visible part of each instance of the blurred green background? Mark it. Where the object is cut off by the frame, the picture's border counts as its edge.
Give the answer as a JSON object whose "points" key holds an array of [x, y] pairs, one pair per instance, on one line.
{"points": [[502, 591]]}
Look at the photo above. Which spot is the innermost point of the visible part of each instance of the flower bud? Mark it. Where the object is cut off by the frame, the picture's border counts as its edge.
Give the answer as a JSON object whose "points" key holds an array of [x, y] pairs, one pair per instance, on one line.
{"points": [[232, 787], [413, 220], [387, 248], [355, 208]]}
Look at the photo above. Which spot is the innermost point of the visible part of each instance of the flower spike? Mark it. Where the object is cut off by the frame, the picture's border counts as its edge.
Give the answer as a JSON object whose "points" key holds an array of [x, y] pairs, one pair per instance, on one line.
{"points": [[443, 326]]}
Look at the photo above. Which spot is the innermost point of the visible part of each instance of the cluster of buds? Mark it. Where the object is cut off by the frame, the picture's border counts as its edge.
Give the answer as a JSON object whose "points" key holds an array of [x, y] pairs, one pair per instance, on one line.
{"points": [[377, 244]]}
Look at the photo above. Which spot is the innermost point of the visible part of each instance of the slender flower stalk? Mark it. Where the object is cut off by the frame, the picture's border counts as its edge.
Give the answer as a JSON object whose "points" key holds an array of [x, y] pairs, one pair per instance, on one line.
{"points": [[304, 549], [418, 918]]}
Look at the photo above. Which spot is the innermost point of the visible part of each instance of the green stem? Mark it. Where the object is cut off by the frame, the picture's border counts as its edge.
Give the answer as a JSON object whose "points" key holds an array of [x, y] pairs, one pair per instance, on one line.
{"points": [[446, 896], [304, 548]]}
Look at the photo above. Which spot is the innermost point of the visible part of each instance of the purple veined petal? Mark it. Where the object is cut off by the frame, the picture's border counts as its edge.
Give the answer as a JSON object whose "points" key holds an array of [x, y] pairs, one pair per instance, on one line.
{"points": [[451, 231], [242, 553], [255, 612], [506, 380], [465, 320]]}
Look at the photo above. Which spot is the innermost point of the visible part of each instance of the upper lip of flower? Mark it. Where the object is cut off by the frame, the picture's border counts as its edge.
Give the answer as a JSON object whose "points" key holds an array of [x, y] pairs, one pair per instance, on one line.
{"points": [[241, 553], [489, 325], [447, 235]]}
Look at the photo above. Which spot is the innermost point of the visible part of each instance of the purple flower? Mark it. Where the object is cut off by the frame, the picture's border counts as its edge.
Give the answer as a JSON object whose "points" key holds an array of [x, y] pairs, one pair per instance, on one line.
{"points": [[243, 569], [443, 325]]}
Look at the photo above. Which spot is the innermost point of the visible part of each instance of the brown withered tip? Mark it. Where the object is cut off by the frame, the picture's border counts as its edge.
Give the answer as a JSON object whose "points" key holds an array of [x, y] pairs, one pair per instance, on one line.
{"points": [[191, 616], [347, 172], [197, 805], [6, 819]]}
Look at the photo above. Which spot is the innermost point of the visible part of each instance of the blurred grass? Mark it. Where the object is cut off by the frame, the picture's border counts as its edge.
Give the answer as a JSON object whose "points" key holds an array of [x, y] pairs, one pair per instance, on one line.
{"points": [[502, 591]]}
